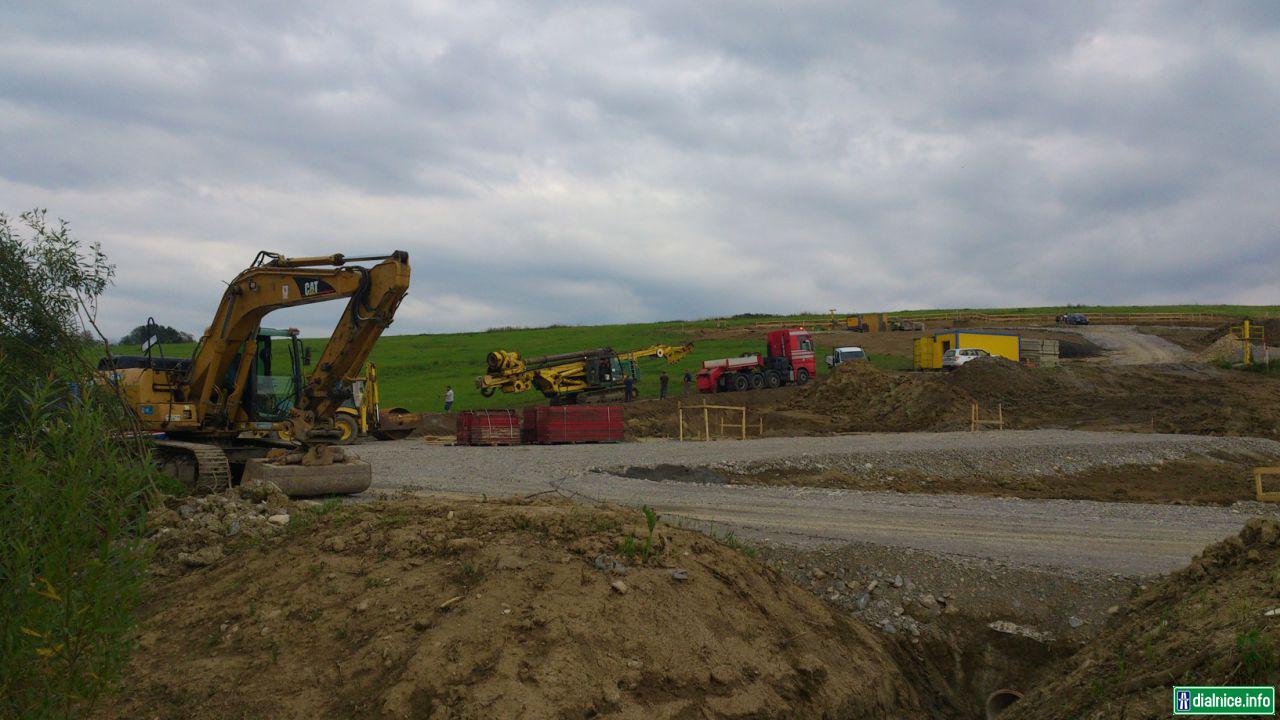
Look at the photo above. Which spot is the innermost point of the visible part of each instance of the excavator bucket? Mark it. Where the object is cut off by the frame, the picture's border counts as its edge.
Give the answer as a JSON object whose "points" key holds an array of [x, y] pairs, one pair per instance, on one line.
{"points": [[298, 481]]}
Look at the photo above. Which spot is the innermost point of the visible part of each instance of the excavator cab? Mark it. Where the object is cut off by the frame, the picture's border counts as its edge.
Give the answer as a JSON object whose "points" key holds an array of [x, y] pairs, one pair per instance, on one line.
{"points": [[275, 383]]}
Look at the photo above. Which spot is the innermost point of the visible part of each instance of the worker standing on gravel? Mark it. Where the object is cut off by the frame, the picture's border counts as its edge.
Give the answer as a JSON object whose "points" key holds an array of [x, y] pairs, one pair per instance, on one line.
{"points": [[448, 397], [688, 381], [628, 388], [663, 380]]}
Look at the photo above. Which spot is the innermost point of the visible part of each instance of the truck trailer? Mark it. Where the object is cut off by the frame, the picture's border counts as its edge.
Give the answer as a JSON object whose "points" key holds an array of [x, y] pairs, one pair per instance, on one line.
{"points": [[789, 358]]}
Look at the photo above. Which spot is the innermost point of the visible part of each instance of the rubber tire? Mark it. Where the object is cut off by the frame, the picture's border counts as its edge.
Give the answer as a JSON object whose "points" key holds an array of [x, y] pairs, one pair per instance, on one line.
{"points": [[802, 376], [349, 427], [773, 379], [741, 381], [757, 381]]}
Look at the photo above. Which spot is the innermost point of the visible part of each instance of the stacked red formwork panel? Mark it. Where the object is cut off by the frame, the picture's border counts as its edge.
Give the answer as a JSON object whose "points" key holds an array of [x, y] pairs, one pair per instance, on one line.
{"points": [[488, 427], [573, 424]]}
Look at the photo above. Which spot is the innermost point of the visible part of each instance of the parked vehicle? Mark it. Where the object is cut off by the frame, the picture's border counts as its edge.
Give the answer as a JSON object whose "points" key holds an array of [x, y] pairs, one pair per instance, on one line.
{"points": [[789, 358], [956, 357], [846, 354], [1073, 319]]}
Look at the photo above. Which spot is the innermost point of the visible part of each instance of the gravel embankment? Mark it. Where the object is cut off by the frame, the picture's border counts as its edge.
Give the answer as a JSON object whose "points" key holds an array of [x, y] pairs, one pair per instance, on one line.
{"points": [[1127, 538]]}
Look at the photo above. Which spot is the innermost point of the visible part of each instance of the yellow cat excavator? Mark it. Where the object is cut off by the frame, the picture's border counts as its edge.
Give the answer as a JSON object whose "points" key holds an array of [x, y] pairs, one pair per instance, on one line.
{"points": [[211, 413], [568, 378]]}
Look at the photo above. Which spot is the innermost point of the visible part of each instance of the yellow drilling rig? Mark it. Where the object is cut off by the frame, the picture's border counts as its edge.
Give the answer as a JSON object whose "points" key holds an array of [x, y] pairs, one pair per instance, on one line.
{"points": [[585, 376]]}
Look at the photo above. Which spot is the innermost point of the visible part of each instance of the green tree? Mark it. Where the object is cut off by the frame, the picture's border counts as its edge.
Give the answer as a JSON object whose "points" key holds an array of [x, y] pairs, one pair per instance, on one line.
{"points": [[163, 333]]}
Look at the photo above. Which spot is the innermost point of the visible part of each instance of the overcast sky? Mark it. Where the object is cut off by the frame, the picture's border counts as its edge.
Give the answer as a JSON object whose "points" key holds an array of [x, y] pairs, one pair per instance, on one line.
{"points": [[587, 162]]}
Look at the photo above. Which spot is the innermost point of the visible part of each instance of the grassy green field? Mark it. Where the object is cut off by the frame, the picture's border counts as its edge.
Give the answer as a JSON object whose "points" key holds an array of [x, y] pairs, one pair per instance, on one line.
{"points": [[414, 370]]}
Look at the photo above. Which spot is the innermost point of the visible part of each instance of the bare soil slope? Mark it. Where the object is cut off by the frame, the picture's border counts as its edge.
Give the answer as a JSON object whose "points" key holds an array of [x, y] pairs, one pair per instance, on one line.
{"points": [[467, 609], [855, 397], [1204, 625]]}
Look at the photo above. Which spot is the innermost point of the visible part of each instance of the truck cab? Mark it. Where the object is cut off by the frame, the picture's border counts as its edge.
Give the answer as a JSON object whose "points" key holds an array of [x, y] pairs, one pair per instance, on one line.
{"points": [[789, 358], [791, 353]]}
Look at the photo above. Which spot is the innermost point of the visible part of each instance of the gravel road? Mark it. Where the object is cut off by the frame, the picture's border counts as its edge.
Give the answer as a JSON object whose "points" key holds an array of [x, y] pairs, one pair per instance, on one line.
{"points": [[1124, 345], [1078, 535]]}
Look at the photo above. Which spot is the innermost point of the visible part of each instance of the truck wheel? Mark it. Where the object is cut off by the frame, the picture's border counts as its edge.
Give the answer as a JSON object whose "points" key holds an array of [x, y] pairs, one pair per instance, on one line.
{"points": [[802, 376], [741, 381], [773, 379], [757, 380]]}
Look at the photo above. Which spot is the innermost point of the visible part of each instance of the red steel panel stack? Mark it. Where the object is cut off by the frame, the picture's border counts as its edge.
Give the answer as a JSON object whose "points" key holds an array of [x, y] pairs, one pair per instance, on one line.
{"points": [[573, 424], [488, 427]]}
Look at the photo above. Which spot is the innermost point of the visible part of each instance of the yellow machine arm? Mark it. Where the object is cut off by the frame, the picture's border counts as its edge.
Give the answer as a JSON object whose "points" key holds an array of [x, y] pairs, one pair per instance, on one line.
{"points": [[275, 282], [671, 353], [563, 374]]}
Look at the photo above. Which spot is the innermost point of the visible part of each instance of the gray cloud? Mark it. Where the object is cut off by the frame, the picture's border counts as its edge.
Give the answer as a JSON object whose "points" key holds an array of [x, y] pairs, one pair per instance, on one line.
{"points": [[593, 162]]}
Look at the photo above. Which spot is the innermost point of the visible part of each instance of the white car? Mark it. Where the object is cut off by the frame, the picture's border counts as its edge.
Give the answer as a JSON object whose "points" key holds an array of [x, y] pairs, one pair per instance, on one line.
{"points": [[956, 357], [846, 354]]}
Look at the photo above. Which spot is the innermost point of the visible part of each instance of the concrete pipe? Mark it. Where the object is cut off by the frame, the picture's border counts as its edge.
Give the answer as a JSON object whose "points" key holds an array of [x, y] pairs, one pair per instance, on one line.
{"points": [[1000, 700]]}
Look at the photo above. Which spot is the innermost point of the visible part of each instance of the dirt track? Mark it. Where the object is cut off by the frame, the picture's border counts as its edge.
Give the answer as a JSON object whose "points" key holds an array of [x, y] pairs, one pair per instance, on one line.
{"points": [[1125, 345], [1128, 538]]}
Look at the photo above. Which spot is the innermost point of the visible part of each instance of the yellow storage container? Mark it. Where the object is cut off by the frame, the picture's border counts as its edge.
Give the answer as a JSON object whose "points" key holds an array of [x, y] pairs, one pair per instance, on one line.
{"points": [[928, 351]]}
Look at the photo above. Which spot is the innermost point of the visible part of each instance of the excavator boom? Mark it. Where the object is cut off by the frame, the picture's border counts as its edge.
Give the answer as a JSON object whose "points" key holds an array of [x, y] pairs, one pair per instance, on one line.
{"points": [[276, 282]]}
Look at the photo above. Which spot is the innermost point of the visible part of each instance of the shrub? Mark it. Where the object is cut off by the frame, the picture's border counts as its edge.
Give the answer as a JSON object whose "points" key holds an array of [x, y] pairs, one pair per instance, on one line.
{"points": [[72, 510], [73, 490]]}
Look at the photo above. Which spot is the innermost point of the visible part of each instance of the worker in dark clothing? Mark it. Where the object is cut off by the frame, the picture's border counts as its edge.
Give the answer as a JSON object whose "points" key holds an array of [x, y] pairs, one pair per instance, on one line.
{"points": [[628, 389], [688, 381], [606, 370], [663, 380]]}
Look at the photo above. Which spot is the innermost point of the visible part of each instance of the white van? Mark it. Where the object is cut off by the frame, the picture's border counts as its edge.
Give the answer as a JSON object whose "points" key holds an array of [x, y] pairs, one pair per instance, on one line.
{"points": [[846, 354]]}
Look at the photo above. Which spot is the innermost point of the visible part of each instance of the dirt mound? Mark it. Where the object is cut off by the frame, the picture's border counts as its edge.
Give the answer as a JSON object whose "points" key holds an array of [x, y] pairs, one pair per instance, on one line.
{"points": [[992, 377], [1216, 334], [859, 397], [1205, 625], [856, 397], [467, 609], [654, 417]]}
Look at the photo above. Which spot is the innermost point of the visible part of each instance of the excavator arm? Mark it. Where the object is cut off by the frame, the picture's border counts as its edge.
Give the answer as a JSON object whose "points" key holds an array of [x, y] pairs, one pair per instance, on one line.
{"points": [[275, 282]]}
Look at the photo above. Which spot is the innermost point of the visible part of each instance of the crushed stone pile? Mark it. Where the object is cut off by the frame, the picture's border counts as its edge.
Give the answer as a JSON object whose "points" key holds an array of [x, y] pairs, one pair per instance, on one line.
{"points": [[193, 531], [1216, 622], [433, 608], [860, 397], [1225, 348], [1228, 348]]}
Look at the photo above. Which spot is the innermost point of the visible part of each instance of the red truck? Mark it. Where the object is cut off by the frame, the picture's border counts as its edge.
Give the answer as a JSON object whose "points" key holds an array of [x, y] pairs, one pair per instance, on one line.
{"points": [[790, 359]]}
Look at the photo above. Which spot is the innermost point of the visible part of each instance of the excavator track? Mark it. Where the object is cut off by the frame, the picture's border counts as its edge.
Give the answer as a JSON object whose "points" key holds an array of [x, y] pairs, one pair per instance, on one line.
{"points": [[203, 468]]}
